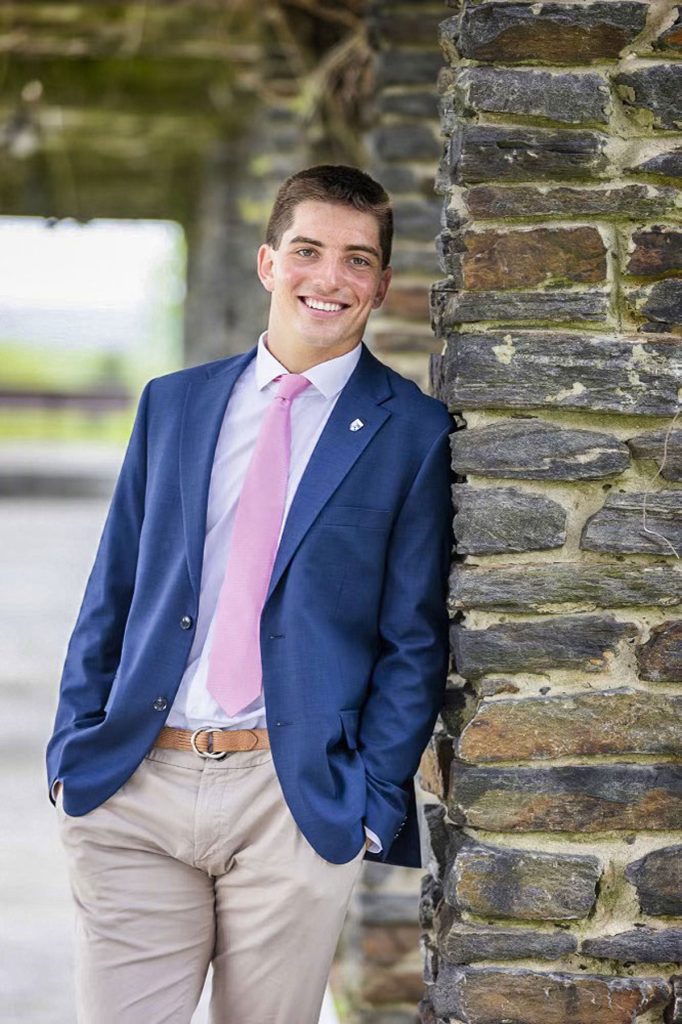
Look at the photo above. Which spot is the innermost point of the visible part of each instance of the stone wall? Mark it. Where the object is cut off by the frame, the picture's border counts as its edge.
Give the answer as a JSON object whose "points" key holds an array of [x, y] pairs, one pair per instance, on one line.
{"points": [[554, 887]]}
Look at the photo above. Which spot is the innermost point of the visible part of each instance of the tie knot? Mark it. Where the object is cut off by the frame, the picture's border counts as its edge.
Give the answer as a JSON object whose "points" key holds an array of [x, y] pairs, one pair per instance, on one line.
{"points": [[291, 384]]}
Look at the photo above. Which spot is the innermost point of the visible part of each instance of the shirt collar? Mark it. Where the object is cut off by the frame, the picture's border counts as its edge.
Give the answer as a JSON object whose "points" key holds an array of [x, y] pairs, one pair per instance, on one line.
{"points": [[328, 377]]}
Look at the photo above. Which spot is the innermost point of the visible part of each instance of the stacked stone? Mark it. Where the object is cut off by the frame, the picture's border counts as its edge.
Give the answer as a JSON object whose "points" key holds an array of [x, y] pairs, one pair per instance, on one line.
{"points": [[554, 892], [404, 149]]}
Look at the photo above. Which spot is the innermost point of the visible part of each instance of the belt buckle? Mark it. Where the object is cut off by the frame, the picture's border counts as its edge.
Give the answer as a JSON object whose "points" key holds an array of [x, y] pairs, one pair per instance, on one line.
{"points": [[214, 755]]}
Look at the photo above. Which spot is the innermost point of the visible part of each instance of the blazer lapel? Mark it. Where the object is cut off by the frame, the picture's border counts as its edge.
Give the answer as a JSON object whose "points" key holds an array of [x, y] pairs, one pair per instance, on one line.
{"points": [[335, 452], [202, 418]]}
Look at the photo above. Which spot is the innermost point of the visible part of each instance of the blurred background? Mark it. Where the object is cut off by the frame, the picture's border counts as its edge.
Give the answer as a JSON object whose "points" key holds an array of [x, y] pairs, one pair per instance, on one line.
{"points": [[140, 147]]}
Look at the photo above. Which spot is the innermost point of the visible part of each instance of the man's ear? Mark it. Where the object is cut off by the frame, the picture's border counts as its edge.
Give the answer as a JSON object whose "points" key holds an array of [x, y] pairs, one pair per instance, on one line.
{"points": [[264, 266], [385, 281]]}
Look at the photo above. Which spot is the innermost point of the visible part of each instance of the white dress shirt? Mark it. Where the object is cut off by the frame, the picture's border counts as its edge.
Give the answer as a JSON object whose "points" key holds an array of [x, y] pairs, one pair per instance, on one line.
{"points": [[253, 391]]}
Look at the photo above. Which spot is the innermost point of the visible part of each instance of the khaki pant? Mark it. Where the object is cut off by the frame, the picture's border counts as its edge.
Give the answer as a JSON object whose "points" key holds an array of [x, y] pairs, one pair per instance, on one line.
{"points": [[195, 862]]}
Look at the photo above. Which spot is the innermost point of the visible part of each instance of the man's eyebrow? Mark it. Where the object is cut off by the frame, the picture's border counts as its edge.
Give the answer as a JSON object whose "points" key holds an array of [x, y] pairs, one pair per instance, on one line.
{"points": [[349, 248]]}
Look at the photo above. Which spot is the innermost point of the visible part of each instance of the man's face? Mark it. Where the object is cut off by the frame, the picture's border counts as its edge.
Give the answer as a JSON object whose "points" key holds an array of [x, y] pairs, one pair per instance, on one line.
{"points": [[325, 279]]}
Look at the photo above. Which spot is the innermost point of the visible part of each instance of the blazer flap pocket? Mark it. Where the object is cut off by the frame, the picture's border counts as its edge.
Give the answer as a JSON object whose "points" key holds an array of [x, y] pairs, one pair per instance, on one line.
{"points": [[354, 515], [350, 718]]}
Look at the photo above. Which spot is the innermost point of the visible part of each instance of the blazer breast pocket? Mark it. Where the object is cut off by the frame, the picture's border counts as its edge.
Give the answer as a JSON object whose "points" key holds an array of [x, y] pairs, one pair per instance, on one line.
{"points": [[355, 516]]}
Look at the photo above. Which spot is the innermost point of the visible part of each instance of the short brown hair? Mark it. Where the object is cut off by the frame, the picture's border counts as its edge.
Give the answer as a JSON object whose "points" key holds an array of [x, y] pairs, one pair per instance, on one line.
{"points": [[332, 183]]}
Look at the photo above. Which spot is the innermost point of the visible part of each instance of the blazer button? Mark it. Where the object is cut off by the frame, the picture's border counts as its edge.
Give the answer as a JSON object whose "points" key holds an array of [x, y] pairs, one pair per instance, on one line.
{"points": [[186, 622], [160, 704]]}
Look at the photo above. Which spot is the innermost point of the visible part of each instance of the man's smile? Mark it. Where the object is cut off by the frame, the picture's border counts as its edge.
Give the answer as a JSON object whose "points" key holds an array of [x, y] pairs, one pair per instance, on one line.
{"points": [[319, 306]]}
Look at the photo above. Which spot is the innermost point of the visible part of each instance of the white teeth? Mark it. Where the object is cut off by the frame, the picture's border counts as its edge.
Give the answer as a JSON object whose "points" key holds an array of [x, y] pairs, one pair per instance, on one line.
{"points": [[328, 307]]}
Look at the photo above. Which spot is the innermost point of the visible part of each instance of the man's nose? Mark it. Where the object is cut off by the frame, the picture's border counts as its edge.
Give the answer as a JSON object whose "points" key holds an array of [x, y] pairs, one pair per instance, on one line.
{"points": [[329, 275]]}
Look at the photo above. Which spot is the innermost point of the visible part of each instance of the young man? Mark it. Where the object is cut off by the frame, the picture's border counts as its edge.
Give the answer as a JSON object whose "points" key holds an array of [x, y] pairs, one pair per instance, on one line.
{"points": [[261, 651]]}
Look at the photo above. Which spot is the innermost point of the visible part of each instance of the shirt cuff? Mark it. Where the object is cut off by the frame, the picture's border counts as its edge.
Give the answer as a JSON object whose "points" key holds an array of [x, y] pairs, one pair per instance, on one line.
{"points": [[375, 843]]}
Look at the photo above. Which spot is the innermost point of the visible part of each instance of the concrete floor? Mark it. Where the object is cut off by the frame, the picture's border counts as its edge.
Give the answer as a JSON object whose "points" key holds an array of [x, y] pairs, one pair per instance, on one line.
{"points": [[47, 548]]}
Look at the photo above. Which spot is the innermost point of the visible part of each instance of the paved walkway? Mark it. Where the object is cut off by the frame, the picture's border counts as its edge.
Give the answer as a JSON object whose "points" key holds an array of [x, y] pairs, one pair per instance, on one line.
{"points": [[47, 548]]}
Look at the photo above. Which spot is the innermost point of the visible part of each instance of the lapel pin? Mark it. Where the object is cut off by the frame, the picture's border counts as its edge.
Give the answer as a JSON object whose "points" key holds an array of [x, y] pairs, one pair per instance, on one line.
{"points": [[356, 425]]}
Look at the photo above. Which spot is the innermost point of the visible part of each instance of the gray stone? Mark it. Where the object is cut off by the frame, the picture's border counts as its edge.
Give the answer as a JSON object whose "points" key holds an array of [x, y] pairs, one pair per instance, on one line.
{"points": [[569, 98], [586, 642], [404, 27], [541, 587], [406, 141], [668, 164], [417, 220], [407, 67], [452, 306], [658, 880], [636, 522], [664, 447], [430, 898], [464, 944], [555, 33], [577, 798], [660, 658], [388, 908], [653, 94], [559, 370], [610, 722], [499, 995], [532, 449], [495, 881], [495, 519], [420, 105], [641, 945], [674, 1014], [528, 202], [661, 304], [489, 153]]}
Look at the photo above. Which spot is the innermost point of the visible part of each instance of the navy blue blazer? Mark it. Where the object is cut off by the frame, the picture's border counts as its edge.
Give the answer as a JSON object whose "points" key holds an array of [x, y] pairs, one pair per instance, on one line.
{"points": [[354, 628]]}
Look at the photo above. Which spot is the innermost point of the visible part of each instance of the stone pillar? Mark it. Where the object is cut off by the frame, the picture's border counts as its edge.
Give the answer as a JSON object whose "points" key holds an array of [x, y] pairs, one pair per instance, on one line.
{"points": [[226, 302], [404, 147], [554, 888]]}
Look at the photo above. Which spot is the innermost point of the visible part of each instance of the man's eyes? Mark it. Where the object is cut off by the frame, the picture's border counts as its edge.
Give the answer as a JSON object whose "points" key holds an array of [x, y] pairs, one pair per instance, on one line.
{"points": [[357, 261]]}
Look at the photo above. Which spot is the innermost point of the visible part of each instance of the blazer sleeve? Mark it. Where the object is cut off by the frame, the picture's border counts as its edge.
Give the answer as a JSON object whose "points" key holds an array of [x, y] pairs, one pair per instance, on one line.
{"points": [[409, 676], [94, 649]]}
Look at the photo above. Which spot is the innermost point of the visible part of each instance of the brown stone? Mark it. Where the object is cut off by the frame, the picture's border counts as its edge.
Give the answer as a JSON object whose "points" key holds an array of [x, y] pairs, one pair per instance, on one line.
{"points": [[660, 658], [496, 881], [547, 256], [434, 767], [611, 722], [488, 995], [554, 33], [656, 251], [664, 447], [575, 798], [658, 880], [671, 37], [410, 302], [403, 984], [531, 201], [386, 946]]}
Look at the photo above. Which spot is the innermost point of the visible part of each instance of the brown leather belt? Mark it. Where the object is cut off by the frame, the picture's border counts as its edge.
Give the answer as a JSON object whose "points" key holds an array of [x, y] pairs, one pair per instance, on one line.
{"points": [[213, 743]]}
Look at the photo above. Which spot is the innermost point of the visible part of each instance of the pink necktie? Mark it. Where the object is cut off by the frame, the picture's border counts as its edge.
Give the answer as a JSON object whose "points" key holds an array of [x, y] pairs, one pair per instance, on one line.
{"points": [[234, 665]]}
